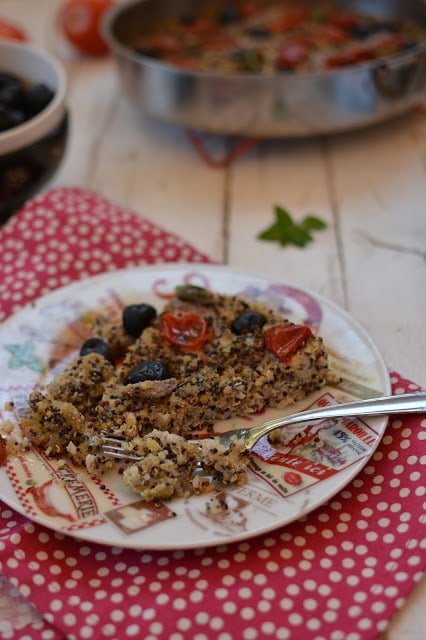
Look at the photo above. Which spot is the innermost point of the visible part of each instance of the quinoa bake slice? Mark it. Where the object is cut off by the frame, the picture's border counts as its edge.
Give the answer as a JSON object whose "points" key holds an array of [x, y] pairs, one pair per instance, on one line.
{"points": [[205, 357], [241, 359]]}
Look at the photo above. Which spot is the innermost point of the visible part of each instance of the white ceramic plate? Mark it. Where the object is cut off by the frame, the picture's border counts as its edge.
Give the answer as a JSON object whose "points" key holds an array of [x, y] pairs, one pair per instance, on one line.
{"points": [[35, 343]]}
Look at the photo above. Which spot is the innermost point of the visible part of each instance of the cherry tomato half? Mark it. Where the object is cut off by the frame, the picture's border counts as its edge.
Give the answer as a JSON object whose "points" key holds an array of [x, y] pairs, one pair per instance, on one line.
{"points": [[284, 339], [80, 22], [11, 31], [184, 329]]}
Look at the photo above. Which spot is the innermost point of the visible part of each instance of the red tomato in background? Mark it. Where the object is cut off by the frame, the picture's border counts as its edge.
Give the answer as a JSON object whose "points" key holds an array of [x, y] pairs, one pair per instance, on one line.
{"points": [[11, 31], [80, 21]]}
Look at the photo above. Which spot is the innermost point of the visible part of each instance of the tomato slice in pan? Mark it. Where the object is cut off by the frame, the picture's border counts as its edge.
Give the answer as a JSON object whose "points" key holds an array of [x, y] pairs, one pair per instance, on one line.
{"points": [[283, 340], [291, 18], [184, 329], [292, 52]]}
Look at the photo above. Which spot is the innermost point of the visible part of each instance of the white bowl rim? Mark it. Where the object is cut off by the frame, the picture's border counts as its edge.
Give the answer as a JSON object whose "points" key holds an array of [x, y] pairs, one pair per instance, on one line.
{"points": [[44, 122]]}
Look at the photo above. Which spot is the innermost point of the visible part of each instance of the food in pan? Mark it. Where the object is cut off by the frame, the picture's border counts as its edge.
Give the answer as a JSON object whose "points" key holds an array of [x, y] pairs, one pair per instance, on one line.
{"points": [[275, 37], [157, 378]]}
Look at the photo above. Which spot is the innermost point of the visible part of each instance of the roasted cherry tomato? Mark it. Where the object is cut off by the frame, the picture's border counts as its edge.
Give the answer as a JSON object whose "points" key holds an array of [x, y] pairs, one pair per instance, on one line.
{"points": [[349, 58], [80, 22], [199, 26], [342, 19], [329, 34], [218, 42], [284, 339], [184, 329], [11, 31], [248, 8], [290, 19]]}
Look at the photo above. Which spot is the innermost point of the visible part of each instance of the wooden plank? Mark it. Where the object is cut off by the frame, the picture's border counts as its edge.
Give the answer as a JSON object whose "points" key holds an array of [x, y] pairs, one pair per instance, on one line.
{"points": [[379, 178], [291, 174]]}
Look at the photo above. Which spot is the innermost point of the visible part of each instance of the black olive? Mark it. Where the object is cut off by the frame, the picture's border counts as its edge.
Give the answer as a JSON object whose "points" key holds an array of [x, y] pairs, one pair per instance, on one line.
{"points": [[10, 118], [97, 345], [137, 317], [37, 98], [248, 322], [149, 370], [19, 103], [12, 95], [7, 78]]}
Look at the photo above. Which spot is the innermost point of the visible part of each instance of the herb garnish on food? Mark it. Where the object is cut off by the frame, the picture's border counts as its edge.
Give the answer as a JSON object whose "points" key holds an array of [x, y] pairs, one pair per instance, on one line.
{"points": [[287, 231]]}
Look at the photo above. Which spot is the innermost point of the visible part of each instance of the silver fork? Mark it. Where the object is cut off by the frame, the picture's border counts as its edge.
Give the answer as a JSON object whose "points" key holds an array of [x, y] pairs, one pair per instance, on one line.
{"points": [[385, 405]]}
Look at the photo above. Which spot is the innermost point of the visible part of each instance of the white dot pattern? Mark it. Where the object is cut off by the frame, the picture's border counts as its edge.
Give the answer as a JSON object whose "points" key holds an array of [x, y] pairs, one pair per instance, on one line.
{"points": [[339, 573], [64, 235]]}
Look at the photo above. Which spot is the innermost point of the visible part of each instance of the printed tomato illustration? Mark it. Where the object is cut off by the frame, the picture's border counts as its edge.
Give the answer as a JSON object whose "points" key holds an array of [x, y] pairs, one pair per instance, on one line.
{"points": [[293, 478]]}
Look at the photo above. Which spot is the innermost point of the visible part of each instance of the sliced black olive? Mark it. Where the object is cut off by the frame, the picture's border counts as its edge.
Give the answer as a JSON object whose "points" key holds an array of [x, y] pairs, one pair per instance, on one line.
{"points": [[149, 370], [97, 345], [193, 293], [409, 46], [188, 18], [229, 15], [261, 33], [137, 317], [248, 322], [363, 30]]}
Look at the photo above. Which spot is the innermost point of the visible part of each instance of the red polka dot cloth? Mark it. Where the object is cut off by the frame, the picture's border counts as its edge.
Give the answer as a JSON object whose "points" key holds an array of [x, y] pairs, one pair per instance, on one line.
{"points": [[339, 573]]}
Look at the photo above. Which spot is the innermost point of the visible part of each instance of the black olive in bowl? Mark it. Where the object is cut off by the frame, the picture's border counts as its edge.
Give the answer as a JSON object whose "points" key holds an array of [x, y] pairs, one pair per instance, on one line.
{"points": [[33, 122]]}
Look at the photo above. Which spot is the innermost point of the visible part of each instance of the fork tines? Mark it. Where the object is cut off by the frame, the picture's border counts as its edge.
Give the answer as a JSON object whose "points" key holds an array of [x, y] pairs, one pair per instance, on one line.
{"points": [[113, 447]]}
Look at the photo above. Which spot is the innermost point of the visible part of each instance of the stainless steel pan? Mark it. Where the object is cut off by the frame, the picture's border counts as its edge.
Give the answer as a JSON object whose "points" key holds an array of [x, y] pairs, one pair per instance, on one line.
{"points": [[287, 105]]}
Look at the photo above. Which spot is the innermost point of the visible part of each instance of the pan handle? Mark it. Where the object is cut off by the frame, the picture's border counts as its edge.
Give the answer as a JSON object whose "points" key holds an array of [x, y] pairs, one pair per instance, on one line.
{"points": [[394, 78]]}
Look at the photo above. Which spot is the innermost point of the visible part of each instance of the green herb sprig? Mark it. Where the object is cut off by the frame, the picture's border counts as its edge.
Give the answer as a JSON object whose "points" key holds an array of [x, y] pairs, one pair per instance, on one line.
{"points": [[286, 231]]}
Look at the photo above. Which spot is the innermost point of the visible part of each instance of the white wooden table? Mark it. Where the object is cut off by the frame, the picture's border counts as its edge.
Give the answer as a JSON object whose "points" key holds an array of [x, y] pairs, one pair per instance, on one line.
{"points": [[369, 186]]}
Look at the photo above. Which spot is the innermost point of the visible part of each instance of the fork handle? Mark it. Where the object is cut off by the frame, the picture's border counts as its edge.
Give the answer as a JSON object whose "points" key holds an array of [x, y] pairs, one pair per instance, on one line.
{"points": [[404, 403]]}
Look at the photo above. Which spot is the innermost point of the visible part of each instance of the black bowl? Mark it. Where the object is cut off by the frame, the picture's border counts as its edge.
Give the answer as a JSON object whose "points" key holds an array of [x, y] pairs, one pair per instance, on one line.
{"points": [[31, 152]]}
